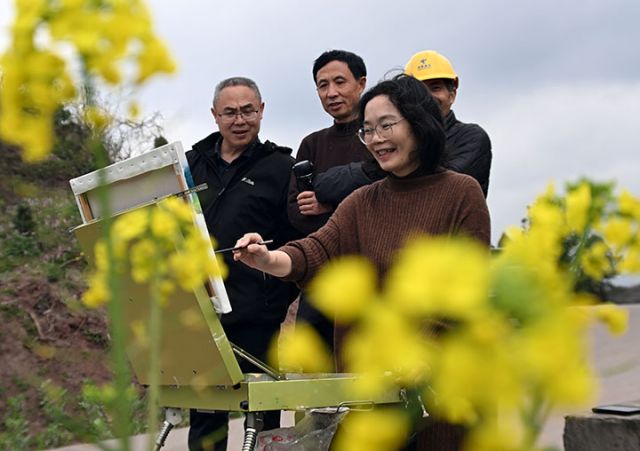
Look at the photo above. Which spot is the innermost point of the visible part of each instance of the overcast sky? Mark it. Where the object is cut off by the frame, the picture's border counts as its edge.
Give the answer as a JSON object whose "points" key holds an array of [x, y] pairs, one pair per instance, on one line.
{"points": [[556, 84]]}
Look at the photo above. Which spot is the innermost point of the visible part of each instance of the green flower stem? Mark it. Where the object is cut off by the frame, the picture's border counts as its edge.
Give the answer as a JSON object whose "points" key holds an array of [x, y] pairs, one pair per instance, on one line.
{"points": [[574, 267], [122, 407], [534, 418], [155, 334]]}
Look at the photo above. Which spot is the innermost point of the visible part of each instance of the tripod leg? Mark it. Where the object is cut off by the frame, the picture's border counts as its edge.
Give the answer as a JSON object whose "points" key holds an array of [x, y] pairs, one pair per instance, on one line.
{"points": [[255, 423], [172, 417]]}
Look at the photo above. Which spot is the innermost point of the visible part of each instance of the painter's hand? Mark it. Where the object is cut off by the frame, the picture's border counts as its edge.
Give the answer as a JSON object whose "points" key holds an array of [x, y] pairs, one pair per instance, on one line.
{"points": [[250, 253], [309, 205]]}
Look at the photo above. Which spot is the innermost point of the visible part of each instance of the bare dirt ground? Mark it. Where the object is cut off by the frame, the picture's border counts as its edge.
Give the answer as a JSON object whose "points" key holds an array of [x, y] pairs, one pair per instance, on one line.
{"points": [[43, 339]]}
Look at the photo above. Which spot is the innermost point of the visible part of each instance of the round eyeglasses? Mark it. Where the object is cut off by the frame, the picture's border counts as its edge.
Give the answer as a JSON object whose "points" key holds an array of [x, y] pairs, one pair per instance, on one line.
{"points": [[231, 115], [384, 131]]}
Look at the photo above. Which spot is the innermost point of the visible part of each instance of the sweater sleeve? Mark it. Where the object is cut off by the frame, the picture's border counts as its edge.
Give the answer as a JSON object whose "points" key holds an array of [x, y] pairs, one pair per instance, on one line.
{"points": [[338, 182], [309, 254], [333, 239], [474, 220], [334, 185]]}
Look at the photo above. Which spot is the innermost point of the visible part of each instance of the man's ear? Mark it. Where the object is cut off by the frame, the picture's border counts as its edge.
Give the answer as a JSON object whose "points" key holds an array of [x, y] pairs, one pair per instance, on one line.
{"points": [[261, 110], [362, 82], [214, 114]]}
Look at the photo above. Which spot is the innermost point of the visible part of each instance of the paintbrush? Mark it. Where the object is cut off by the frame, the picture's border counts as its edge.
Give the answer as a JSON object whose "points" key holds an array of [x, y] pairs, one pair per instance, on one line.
{"points": [[237, 248]]}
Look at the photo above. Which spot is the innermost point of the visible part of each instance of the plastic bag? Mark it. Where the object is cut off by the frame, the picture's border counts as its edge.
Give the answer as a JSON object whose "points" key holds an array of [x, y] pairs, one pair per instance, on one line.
{"points": [[313, 433]]}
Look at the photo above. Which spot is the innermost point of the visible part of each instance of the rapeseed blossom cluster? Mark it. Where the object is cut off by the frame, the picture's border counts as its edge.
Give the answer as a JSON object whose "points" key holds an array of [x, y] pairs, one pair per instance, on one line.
{"points": [[159, 243], [112, 41], [482, 337]]}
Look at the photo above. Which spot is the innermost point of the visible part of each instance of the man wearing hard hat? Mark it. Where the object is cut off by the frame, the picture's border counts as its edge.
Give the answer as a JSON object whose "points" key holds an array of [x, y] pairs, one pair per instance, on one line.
{"points": [[468, 145]]}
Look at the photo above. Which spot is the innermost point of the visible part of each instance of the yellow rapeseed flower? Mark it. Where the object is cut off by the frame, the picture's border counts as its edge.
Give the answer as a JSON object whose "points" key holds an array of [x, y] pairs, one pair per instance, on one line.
{"points": [[382, 429], [134, 110], [131, 225], [300, 348], [618, 232], [373, 348], [163, 224], [96, 117], [140, 333], [557, 346], [36, 81], [160, 243], [595, 261], [179, 208], [492, 435], [629, 204], [544, 213], [438, 276], [576, 387], [545, 346], [167, 287], [191, 318], [616, 318], [630, 263], [186, 271], [343, 288], [578, 205], [143, 256], [154, 58], [484, 376], [98, 291]]}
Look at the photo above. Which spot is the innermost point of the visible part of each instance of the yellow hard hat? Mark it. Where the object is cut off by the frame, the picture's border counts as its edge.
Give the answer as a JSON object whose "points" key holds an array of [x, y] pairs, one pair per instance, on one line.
{"points": [[429, 64]]}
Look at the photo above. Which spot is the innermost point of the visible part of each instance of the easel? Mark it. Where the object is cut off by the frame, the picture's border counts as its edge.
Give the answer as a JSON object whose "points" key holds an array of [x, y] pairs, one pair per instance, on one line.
{"points": [[199, 366]]}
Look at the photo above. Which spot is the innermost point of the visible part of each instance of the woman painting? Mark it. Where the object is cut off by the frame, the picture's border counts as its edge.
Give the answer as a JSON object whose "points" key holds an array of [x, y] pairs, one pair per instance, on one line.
{"points": [[402, 128]]}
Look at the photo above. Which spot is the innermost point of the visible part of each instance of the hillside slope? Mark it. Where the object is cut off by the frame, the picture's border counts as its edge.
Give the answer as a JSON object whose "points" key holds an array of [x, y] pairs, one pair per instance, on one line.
{"points": [[50, 344]]}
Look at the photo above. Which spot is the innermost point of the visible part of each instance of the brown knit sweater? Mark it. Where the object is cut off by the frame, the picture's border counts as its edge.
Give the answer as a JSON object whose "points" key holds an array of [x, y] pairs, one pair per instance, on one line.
{"points": [[376, 220]]}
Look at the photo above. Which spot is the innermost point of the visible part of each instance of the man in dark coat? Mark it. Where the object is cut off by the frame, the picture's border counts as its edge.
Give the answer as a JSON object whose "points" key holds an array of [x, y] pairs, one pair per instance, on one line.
{"points": [[247, 189], [468, 146]]}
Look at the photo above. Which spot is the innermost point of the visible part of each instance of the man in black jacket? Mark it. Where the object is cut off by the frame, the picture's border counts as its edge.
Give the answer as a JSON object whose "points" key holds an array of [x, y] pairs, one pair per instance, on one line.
{"points": [[247, 191], [468, 147]]}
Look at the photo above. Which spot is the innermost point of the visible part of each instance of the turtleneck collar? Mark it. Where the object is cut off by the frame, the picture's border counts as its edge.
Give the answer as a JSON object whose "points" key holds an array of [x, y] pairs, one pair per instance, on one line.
{"points": [[346, 128], [418, 179]]}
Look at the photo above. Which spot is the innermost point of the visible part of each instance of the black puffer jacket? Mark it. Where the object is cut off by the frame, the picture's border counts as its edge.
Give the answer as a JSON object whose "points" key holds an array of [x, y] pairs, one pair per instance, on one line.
{"points": [[254, 199], [468, 150]]}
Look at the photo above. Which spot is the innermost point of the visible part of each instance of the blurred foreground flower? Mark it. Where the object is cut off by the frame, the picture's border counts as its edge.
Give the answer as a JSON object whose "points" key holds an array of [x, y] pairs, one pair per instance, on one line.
{"points": [[353, 283], [159, 241], [299, 348], [483, 338], [36, 69], [375, 430]]}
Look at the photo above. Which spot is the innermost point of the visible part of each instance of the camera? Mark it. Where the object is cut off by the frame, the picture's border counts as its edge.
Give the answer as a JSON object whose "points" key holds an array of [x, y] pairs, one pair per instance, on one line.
{"points": [[303, 172]]}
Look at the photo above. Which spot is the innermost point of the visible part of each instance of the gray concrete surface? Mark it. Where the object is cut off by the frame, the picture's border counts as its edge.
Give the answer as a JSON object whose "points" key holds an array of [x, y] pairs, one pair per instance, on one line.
{"points": [[616, 360], [597, 432], [177, 440]]}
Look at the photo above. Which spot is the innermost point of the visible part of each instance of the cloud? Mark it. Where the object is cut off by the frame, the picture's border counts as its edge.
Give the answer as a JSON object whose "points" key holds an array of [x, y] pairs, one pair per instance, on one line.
{"points": [[560, 133], [555, 84]]}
